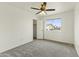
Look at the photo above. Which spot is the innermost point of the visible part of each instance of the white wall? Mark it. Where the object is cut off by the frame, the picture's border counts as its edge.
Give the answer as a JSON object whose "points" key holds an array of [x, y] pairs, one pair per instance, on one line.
{"points": [[77, 28], [66, 34], [16, 27], [40, 28]]}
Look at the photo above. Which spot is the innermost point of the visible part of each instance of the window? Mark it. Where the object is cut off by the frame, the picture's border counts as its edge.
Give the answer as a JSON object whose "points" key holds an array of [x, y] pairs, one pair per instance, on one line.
{"points": [[53, 24]]}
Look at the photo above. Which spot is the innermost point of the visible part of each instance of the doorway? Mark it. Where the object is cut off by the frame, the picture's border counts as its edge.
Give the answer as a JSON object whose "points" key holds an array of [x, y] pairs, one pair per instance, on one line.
{"points": [[34, 29]]}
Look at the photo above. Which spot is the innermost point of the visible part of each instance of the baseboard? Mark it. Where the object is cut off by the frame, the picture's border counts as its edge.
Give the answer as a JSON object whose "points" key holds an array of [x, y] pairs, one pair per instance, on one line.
{"points": [[58, 42], [15, 46]]}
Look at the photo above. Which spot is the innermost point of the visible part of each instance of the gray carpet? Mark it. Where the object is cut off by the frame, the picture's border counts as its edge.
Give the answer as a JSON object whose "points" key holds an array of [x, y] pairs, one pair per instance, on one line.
{"points": [[41, 48]]}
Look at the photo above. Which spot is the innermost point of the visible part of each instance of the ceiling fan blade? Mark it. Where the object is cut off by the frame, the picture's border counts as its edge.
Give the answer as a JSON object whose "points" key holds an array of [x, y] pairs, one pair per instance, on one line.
{"points": [[38, 12], [35, 8], [50, 9]]}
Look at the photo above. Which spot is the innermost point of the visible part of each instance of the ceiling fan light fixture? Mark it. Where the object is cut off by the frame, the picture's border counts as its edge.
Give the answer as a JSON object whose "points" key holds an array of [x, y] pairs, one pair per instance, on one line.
{"points": [[42, 9], [42, 13]]}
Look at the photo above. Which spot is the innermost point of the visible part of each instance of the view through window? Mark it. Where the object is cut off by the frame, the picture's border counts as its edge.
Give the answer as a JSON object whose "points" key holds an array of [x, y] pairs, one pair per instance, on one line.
{"points": [[53, 24]]}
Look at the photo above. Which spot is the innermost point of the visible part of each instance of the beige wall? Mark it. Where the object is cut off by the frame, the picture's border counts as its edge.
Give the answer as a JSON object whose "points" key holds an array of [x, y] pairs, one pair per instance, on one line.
{"points": [[66, 34], [16, 27]]}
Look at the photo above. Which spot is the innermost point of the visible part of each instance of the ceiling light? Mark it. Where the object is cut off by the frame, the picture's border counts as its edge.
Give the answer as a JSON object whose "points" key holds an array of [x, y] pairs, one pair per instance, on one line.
{"points": [[42, 13]]}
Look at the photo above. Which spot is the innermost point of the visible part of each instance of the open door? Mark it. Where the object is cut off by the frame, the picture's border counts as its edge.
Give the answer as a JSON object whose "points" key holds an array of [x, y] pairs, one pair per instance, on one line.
{"points": [[34, 29]]}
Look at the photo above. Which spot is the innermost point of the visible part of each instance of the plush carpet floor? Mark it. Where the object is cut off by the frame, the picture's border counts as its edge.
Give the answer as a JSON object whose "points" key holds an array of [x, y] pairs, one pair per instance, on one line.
{"points": [[41, 48]]}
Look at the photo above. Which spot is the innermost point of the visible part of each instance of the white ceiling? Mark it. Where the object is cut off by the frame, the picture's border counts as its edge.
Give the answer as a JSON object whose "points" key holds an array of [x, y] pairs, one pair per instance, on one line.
{"points": [[59, 6]]}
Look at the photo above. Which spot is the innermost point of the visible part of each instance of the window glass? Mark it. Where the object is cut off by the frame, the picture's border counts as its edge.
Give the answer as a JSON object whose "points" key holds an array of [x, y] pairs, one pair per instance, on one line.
{"points": [[53, 24]]}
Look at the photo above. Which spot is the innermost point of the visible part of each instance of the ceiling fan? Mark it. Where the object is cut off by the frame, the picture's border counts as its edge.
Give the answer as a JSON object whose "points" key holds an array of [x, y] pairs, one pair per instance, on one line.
{"points": [[42, 8]]}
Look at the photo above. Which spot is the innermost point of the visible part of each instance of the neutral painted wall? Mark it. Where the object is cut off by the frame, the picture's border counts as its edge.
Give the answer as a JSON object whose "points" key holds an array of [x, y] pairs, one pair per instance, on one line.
{"points": [[16, 27], [66, 33], [77, 28], [40, 28]]}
